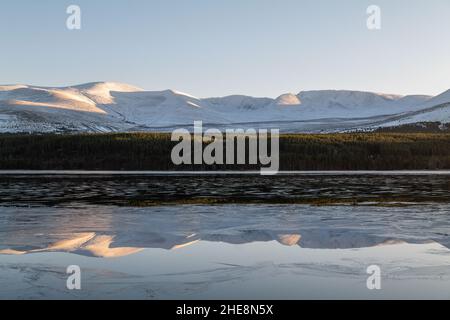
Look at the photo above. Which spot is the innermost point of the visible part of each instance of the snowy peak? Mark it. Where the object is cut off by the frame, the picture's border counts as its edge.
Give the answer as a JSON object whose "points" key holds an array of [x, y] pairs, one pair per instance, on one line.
{"points": [[99, 87], [100, 92], [238, 103], [33, 97], [11, 87], [288, 99], [344, 98], [436, 110], [443, 98], [112, 106], [413, 100]]}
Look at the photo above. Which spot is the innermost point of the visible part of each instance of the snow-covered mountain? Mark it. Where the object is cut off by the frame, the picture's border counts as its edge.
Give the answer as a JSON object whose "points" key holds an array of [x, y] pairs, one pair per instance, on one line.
{"points": [[107, 106], [436, 109]]}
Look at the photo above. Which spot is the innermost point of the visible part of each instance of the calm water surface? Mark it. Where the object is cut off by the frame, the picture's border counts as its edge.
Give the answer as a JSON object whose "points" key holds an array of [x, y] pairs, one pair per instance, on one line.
{"points": [[135, 237]]}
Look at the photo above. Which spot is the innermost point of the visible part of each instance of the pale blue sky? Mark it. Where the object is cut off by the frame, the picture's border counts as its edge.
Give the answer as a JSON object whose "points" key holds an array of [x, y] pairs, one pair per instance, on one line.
{"points": [[220, 47]]}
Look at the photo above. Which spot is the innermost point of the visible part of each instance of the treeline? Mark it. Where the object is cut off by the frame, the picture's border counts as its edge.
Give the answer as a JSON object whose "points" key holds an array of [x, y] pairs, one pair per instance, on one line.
{"points": [[418, 127], [152, 151]]}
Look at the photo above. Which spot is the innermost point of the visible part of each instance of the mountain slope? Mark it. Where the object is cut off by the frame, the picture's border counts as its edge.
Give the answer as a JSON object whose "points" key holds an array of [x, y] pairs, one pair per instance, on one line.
{"points": [[109, 106], [436, 109]]}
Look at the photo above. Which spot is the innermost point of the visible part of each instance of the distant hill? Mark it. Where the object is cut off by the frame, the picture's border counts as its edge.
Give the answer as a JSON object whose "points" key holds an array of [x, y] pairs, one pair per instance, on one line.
{"points": [[117, 107]]}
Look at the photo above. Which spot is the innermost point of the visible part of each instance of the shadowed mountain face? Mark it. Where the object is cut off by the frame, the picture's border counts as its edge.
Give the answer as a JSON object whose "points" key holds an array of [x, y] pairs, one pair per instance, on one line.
{"points": [[110, 107]]}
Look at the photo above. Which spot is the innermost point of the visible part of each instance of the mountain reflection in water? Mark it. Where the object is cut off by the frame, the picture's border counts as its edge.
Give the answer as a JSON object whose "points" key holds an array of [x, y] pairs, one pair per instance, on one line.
{"points": [[116, 231], [260, 243]]}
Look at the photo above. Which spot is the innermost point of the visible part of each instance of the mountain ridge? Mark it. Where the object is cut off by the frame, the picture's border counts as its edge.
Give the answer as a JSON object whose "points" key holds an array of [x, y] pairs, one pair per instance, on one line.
{"points": [[114, 106]]}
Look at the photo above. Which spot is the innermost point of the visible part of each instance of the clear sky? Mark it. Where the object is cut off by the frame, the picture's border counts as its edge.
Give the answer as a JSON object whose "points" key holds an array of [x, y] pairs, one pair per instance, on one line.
{"points": [[220, 47]]}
